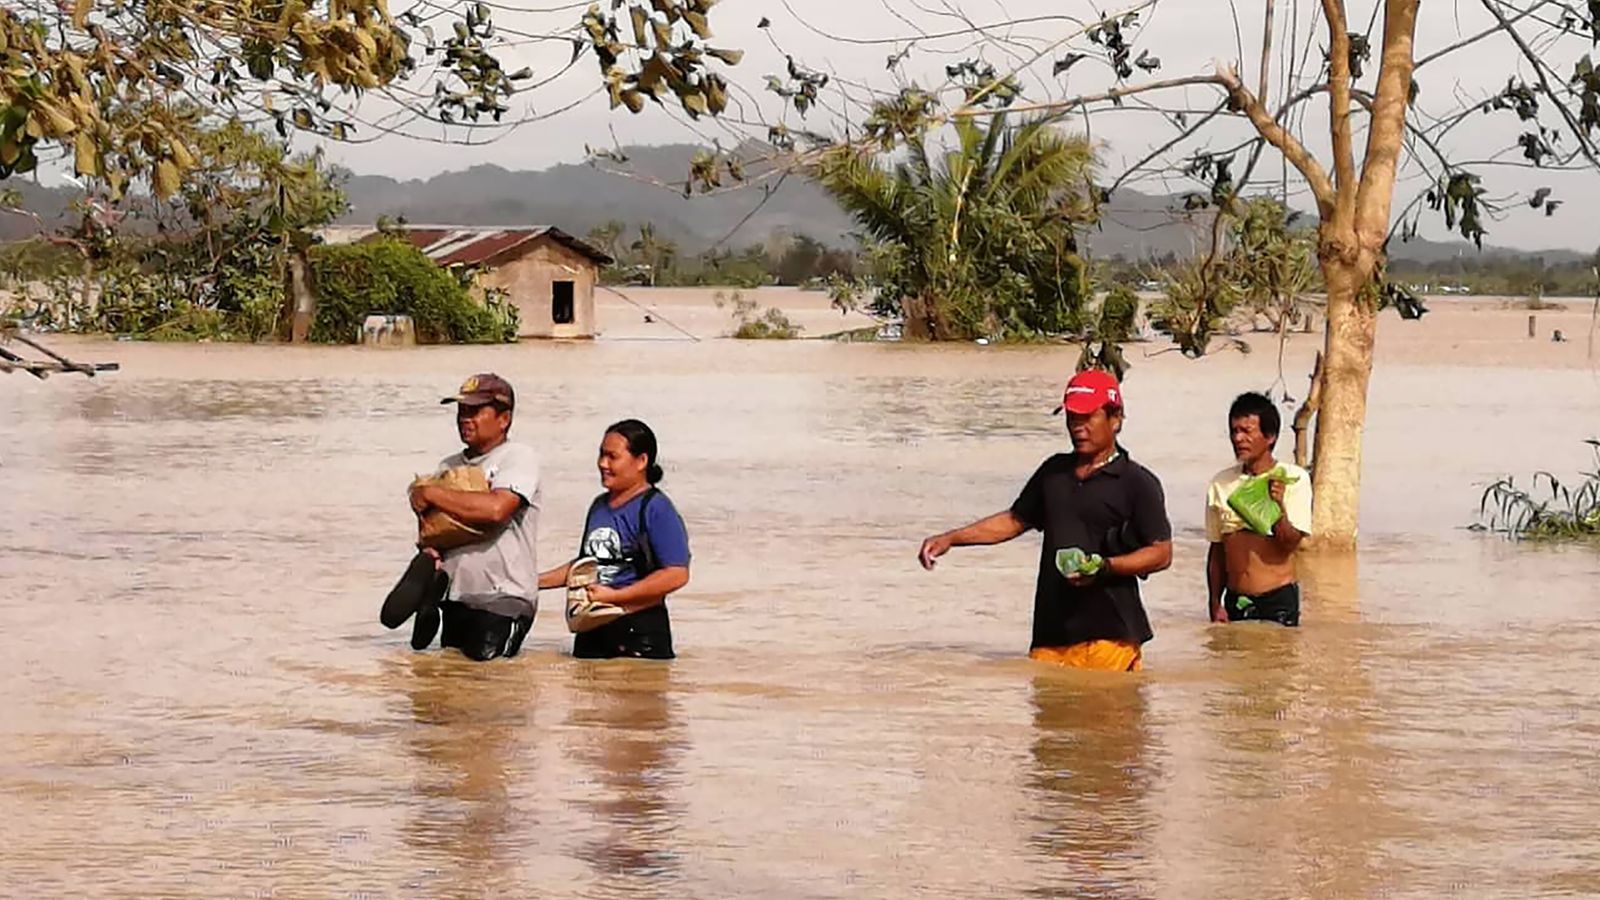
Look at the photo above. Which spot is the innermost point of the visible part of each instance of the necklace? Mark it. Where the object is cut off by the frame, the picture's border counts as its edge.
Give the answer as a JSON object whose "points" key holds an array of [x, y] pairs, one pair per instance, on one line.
{"points": [[1095, 467]]}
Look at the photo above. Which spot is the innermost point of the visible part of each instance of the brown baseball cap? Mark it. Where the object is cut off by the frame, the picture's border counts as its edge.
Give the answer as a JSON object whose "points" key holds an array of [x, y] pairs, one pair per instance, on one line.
{"points": [[481, 390]]}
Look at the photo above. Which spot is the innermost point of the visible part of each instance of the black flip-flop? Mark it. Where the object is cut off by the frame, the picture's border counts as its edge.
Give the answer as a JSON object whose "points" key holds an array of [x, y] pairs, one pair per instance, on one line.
{"points": [[426, 624], [414, 588]]}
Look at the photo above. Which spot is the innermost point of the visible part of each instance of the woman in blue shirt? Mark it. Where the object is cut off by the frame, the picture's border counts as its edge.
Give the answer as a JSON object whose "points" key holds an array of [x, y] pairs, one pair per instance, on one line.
{"points": [[637, 538]]}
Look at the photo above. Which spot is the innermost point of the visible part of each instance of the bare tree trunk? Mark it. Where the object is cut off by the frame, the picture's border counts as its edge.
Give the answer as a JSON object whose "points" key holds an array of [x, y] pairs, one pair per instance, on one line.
{"points": [[1347, 369], [303, 301], [86, 295], [916, 319], [1304, 416]]}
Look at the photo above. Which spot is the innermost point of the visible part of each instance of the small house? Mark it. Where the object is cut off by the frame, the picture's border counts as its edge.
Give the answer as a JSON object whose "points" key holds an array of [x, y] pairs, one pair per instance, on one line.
{"points": [[548, 274]]}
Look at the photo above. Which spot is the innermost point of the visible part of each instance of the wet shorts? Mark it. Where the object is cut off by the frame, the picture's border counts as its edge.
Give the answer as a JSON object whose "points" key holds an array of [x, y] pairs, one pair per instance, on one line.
{"points": [[480, 634], [646, 634], [1281, 606], [1104, 656]]}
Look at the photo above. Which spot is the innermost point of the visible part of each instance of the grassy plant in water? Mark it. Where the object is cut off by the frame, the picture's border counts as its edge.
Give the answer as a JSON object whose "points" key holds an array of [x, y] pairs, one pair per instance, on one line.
{"points": [[1548, 510], [749, 325]]}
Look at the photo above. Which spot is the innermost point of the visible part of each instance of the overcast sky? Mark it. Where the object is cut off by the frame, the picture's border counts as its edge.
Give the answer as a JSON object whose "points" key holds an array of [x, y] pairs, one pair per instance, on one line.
{"points": [[853, 39]]}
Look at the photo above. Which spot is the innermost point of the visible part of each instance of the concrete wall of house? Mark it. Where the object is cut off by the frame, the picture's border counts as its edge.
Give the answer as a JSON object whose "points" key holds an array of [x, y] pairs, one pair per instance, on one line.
{"points": [[529, 282]]}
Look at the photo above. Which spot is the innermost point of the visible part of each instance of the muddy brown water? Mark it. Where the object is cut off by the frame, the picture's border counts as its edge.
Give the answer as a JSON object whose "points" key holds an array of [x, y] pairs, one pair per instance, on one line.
{"points": [[200, 702]]}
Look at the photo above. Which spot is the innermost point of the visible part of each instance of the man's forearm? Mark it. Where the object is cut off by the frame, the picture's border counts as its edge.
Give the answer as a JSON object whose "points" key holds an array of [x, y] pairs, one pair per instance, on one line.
{"points": [[1216, 577], [995, 529], [474, 507], [1287, 536], [1144, 561]]}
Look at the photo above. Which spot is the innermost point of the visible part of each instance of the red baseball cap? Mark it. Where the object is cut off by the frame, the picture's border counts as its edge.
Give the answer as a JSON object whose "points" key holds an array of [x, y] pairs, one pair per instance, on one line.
{"points": [[1090, 390]]}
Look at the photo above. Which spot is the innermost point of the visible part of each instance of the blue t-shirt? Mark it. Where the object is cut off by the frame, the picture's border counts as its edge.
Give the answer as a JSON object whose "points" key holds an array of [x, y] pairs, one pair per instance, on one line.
{"points": [[612, 537]]}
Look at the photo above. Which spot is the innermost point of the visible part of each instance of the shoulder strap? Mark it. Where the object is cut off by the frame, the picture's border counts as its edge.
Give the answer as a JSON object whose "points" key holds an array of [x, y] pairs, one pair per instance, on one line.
{"points": [[647, 553]]}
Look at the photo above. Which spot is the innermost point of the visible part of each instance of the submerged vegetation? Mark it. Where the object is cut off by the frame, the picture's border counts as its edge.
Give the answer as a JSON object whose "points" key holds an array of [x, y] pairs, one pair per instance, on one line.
{"points": [[751, 324], [220, 259], [977, 242], [1548, 510], [392, 276]]}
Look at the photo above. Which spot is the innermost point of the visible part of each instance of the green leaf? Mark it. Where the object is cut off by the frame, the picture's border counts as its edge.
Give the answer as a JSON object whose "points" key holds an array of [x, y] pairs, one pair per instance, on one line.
{"points": [[27, 162]]}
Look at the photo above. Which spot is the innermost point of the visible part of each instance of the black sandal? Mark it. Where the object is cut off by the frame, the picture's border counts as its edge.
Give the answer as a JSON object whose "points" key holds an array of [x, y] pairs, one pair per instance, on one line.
{"points": [[418, 586], [426, 624]]}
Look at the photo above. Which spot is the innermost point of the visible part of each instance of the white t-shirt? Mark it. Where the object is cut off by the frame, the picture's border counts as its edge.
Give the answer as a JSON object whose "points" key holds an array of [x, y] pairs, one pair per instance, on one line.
{"points": [[507, 562], [1222, 521]]}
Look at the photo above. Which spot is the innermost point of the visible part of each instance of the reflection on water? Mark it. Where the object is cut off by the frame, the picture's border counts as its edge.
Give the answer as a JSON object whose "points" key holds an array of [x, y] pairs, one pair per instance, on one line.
{"points": [[470, 728], [1298, 770], [625, 731], [200, 702], [1093, 771]]}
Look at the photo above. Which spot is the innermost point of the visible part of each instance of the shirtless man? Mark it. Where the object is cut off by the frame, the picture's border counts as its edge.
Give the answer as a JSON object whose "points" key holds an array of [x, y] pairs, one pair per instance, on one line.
{"points": [[1249, 575]]}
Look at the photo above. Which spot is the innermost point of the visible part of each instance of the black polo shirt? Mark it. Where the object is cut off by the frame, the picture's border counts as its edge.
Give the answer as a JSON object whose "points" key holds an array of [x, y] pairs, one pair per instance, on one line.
{"points": [[1119, 508]]}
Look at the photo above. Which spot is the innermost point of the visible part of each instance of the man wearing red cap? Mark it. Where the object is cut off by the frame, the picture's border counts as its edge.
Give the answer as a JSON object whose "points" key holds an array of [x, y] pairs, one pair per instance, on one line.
{"points": [[1097, 500]]}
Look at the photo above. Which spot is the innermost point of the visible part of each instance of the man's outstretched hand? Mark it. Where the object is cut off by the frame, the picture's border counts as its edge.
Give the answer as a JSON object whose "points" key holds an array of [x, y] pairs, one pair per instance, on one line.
{"points": [[932, 549]]}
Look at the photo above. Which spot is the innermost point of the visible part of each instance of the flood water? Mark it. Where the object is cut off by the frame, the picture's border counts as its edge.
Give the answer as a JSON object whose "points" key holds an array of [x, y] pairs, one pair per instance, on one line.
{"points": [[201, 703]]}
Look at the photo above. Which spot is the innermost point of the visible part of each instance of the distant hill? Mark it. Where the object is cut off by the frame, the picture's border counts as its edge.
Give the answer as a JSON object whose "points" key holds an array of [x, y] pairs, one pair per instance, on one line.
{"points": [[578, 197], [51, 205], [1424, 251]]}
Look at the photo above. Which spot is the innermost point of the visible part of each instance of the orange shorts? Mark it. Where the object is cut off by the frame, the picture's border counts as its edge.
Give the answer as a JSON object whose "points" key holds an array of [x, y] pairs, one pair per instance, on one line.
{"points": [[1104, 656]]}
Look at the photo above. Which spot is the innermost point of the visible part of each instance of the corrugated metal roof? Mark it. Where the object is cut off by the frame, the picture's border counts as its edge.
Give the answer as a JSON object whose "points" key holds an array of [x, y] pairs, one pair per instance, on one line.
{"points": [[421, 238], [450, 245], [470, 249]]}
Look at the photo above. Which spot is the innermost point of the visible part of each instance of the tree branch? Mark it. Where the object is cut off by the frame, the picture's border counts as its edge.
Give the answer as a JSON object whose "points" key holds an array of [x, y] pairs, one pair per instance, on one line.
{"points": [[1387, 123], [1084, 29], [1291, 148], [1467, 42], [1539, 68], [1266, 54], [1183, 135], [1086, 99], [959, 32], [1344, 163]]}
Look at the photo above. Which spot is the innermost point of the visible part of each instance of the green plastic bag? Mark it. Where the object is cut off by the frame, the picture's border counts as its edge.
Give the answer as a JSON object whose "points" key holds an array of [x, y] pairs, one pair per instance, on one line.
{"points": [[1073, 561], [1253, 502]]}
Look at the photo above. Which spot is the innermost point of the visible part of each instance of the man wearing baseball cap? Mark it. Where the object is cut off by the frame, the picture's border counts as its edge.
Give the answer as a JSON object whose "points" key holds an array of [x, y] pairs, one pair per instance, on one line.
{"points": [[493, 584], [1096, 500]]}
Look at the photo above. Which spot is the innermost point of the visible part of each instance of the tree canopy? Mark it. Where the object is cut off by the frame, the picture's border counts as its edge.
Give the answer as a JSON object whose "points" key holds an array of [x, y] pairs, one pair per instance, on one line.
{"points": [[978, 241], [116, 85]]}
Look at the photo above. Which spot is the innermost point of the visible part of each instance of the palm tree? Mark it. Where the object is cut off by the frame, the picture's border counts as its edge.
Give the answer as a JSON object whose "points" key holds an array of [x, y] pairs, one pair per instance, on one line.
{"points": [[657, 254], [980, 242], [605, 237]]}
